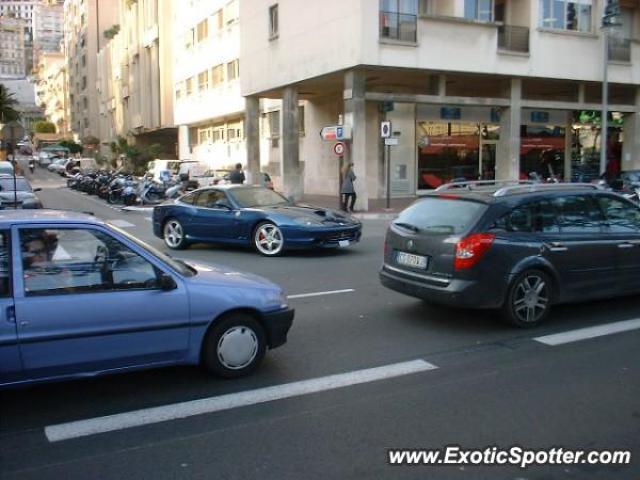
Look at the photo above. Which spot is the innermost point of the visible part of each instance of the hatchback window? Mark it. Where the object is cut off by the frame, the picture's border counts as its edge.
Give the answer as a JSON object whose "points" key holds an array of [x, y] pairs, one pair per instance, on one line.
{"points": [[441, 215], [578, 214], [57, 261], [5, 278], [621, 216]]}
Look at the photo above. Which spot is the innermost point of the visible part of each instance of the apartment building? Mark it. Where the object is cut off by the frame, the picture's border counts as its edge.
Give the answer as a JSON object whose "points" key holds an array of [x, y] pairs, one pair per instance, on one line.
{"points": [[48, 27], [51, 89], [472, 88], [209, 109], [23, 9], [135, 77], [12, 47], [85, 22]]}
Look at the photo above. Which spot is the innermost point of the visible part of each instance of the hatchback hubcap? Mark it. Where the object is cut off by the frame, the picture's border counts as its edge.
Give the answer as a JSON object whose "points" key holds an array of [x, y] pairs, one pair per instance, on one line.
{"points": [[531, 299], [237, 347], [269, 239], [173, 233]]}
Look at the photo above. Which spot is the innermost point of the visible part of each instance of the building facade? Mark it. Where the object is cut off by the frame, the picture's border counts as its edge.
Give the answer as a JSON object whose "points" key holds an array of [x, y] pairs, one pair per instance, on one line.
{"points": [[12, 47], [135, 78], [48, 27], [85, 22], [51, 89], [23, 9], [472, 88]]}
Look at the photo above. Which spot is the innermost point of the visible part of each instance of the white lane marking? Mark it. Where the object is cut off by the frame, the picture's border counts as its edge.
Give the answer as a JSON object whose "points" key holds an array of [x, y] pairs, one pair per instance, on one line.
{"points": [[137, 209], [121, 223], [147, 416], [318, 294], [589, 332]]}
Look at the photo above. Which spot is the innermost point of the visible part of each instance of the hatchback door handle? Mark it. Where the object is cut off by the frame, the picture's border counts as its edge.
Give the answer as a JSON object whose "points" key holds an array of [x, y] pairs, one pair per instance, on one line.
{"points": [[556, 247]]}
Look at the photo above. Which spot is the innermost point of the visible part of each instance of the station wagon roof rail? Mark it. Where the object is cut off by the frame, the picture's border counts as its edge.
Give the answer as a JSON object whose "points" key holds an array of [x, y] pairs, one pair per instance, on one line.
{"points": [[538, 187], [472, 184]]}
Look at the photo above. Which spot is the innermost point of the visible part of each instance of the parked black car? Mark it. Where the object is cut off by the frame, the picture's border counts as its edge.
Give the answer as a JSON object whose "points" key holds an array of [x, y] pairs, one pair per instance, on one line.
{"points": [[516, 247]]}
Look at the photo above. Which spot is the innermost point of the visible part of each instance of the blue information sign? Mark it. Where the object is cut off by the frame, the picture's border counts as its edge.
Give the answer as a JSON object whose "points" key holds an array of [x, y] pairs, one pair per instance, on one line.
{"points": [[450, 113]]}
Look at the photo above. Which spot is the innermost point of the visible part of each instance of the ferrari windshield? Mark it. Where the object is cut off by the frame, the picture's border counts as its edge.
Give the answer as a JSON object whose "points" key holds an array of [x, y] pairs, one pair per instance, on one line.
{"points": [[257, 197]]}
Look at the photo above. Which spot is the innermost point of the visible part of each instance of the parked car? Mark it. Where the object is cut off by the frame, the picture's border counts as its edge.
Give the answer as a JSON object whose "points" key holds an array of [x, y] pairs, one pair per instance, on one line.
{"points": [[82, 298], [252, 216], [17, 193], [57, 165], [519, 248], [6, 168]]}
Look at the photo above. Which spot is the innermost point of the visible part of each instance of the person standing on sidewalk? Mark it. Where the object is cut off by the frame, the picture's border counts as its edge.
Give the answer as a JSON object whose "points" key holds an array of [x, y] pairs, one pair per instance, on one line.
{"points": [[237, 176], [347, 189]]}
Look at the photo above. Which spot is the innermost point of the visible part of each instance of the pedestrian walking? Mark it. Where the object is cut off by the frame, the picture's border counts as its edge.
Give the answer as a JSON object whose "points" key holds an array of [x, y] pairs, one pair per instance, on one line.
{"points": [[347, 190], [237, 176]]}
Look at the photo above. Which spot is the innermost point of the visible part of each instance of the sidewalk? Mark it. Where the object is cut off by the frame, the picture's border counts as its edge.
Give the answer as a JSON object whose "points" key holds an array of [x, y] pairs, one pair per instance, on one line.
{"points": [[377, 207]]}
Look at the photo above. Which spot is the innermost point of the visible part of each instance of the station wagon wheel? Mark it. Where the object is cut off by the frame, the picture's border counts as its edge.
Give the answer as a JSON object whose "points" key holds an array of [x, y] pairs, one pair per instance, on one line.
{"points": [[174, 235], [268, 239], [235, 346], [529, 299]]}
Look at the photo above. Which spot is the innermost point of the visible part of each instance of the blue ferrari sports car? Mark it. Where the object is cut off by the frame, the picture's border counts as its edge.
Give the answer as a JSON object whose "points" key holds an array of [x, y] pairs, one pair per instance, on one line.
{"points": [[253, 216]]}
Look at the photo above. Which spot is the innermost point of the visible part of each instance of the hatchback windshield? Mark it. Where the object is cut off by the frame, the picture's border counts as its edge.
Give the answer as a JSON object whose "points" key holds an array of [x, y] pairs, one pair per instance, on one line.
{"points": [[258, 197], [6, 184], [440, 215]]}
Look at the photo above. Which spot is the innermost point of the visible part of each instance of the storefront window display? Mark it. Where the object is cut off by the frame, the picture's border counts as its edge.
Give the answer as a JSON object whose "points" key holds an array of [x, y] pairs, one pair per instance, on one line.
{"points": [[541, 152]]}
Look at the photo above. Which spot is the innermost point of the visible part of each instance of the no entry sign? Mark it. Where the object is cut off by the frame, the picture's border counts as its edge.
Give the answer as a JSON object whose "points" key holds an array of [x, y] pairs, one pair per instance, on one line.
{"points": [[339, 148]]}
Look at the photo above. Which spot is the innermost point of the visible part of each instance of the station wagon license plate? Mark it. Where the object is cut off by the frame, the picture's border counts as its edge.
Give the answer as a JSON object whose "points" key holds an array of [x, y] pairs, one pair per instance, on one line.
{"points": [[411, 260], [343, 243]]}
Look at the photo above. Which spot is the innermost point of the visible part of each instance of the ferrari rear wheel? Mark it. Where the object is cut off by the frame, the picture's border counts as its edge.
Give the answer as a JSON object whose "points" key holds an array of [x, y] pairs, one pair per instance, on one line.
{"points": [[268, 239]]}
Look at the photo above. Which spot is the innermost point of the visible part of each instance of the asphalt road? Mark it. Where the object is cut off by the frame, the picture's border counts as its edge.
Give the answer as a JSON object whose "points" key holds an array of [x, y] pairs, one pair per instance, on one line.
{"points": [[493, 385]]}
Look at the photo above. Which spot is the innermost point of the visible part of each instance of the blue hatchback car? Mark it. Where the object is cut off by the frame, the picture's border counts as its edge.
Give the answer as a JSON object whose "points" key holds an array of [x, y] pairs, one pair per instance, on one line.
{"points": [[79, 297]]}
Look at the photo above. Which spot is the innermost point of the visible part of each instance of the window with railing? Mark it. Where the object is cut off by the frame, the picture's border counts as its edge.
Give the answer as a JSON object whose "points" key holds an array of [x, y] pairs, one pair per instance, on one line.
{"points": [[217, 75], [202, 30], [203, 81], [478, 10], [233, 70], [399, 20], [573, 15]]}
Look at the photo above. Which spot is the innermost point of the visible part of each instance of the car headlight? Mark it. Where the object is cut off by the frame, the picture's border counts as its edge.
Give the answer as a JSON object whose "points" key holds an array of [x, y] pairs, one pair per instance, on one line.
{"points": [[307, 222], [276, 297]]}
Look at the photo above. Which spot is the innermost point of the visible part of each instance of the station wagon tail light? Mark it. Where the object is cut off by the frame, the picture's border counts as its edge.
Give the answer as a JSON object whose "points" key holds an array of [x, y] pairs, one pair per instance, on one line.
{"points": [[470, 250]]}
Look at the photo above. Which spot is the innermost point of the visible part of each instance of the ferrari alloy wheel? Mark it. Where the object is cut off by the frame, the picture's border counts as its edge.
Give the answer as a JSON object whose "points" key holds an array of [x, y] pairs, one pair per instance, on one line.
{"points": [[174, 235], [268, 239]]}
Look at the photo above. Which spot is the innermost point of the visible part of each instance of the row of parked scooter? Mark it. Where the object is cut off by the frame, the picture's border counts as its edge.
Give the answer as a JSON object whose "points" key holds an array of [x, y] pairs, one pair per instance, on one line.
{"points": [[123, 188]]}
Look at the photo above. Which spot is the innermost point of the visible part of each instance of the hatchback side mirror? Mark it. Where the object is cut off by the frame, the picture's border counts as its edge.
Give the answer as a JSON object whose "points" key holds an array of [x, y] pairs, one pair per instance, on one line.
{"points": [[166, 282]]}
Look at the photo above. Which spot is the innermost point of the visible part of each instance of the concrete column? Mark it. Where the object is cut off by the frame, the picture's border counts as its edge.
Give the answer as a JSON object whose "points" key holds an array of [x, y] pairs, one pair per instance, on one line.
{"points": [[631, 143], [508, 154], [184, 152], [291, 172], [568, 144], [252, 134], [355, 115]]}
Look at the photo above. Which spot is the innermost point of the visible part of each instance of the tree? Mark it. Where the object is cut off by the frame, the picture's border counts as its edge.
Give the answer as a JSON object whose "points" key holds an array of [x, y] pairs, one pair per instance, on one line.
{"points": [[72, 146], [8, 113], [43, 126], [155, 150], [111, 32]]}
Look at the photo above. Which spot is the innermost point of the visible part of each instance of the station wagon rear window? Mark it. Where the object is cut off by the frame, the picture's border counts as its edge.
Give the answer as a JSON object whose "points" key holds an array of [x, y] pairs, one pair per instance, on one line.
{"points": [[441, 216]]}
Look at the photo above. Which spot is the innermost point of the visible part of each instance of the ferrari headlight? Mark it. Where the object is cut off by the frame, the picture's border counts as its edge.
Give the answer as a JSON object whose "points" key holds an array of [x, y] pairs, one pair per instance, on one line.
{"points": [[307, 222]]}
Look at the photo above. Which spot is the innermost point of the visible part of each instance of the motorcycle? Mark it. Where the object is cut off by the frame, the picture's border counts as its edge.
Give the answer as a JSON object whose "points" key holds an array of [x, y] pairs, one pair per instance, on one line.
{"points": [[32, 166]]}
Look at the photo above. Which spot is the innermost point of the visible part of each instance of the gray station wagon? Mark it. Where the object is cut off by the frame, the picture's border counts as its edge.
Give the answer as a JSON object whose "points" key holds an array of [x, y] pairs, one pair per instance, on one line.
{"points": [[514, 246]]}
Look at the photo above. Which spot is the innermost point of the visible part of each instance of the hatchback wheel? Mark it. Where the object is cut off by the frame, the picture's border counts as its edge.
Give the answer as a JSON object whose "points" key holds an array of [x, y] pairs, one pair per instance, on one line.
{"points": [[529, 299], [268, 239], [174, 235], [235, 346]]}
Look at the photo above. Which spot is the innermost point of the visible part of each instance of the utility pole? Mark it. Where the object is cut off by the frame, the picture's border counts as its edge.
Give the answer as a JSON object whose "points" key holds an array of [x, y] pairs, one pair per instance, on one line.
{"points": [[610, 19]]}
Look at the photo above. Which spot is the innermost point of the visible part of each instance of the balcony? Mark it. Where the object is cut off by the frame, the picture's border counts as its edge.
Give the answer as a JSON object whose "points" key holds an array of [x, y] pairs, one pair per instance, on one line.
{"points": [[398, 26], [619, 49], [513, 38]]}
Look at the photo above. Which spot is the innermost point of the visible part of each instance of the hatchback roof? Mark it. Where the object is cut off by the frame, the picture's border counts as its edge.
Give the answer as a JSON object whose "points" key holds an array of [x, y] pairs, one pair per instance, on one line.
{"points": [[13, 217]]}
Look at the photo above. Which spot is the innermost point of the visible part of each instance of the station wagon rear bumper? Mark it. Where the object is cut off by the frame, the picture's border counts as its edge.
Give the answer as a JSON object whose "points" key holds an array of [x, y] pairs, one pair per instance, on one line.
{"points": [[453, 292], [277, 325]]}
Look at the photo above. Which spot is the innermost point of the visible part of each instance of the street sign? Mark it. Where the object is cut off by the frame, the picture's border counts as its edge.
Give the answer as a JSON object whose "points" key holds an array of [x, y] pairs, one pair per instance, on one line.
{"points": [[336, 132], [391, 141], [385, 129], [339, 149]]}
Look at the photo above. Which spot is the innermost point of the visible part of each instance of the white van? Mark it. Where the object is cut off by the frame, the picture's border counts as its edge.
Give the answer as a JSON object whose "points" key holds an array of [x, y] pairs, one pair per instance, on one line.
{"points": [[157, 166]]}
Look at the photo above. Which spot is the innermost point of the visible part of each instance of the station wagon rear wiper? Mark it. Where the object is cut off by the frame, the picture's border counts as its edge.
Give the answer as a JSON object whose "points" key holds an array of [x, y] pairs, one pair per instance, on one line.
{"points": [[408, 226]]}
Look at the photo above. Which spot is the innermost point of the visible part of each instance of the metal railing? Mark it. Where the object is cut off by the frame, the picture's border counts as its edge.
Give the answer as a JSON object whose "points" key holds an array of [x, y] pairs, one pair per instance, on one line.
{"points": [[619, 49], [513, 38], [399, 26]]}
